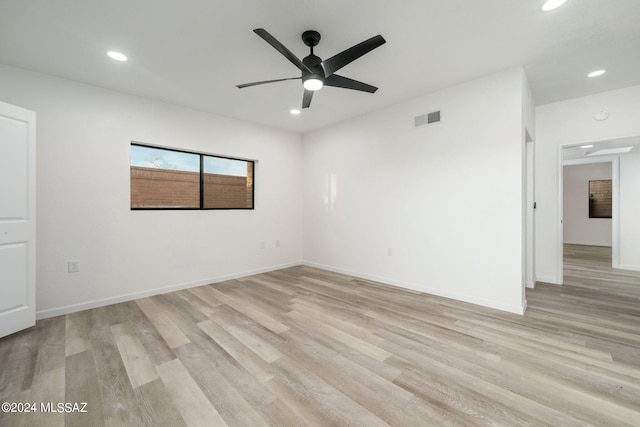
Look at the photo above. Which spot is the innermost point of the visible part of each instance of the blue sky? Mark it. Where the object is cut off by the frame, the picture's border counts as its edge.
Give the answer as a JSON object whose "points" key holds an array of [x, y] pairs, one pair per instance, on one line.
{"points": [[225, 166], [148, 157]]}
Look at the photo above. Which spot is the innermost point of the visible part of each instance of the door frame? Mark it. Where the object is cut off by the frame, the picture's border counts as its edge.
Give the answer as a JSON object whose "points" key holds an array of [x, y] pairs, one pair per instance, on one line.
{"points": [[530, 217], [615, 203]]}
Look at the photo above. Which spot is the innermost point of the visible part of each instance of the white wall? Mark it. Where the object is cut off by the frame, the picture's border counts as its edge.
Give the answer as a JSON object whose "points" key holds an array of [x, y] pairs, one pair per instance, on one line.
{"points": [[630, 211], [437, 208], [571, 122], [578, 227], [83, 201]]}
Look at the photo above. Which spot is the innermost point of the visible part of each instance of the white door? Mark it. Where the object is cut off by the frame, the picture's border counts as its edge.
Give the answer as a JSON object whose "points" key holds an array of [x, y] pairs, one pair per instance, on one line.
{"points": [[17, 219]]}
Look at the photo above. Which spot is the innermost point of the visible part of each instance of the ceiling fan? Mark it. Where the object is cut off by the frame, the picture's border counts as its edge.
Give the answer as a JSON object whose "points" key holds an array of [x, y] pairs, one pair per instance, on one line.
{"points": [[316, 72]]}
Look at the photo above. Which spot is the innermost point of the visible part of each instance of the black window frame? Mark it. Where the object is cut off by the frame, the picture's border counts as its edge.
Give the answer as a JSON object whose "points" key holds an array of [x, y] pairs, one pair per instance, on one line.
{"points": [[201, 181]]}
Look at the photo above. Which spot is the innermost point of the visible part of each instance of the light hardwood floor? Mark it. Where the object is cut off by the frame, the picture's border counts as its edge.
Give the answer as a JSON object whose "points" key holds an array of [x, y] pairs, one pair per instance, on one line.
{"points": [[302, 346]]}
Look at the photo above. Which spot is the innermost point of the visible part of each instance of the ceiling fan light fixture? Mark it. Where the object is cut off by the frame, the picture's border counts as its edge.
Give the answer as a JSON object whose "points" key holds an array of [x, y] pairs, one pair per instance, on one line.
{"points": [[550, 5], [313, 82]]}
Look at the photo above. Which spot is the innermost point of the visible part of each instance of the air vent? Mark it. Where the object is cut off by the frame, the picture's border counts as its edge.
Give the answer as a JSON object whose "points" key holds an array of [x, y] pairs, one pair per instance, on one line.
{"points": [[426, 119], [433, 117]]}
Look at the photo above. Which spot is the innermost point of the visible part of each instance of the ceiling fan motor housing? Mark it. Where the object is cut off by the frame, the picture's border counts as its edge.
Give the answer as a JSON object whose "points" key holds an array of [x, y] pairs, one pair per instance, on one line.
{"points": [[311, 38], [314, 64]]}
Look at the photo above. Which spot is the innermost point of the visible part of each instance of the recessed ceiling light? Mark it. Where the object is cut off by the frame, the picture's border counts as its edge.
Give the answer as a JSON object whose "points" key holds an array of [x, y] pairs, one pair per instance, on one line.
{"points": [[587, 146], [552, 4], [596, 73], [117, 56], [295, 111]]}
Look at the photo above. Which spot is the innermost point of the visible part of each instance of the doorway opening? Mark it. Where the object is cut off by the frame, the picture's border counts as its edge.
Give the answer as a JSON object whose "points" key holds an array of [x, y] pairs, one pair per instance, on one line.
{"points": [[600, 154]]}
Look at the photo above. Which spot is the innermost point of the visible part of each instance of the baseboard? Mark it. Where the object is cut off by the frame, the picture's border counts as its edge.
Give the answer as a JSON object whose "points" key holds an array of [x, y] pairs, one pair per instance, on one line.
{"points": [[44, 314], [627, 267], [414, 287], [605, 245]]}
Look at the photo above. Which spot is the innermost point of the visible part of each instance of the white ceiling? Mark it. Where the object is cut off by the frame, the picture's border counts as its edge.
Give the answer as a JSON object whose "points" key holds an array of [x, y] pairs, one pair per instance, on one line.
{"points": [[194, 52]]}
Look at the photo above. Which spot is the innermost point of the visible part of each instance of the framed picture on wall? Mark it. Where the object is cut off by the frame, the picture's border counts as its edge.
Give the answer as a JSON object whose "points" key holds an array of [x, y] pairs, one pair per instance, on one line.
{"points": [[600, 196]]}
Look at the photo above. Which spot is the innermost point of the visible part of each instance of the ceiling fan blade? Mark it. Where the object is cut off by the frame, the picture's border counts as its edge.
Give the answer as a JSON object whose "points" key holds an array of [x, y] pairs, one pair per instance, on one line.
{"points": [[338, 61], [347, 83], [306, 99], [281, 48], [265, 82]]}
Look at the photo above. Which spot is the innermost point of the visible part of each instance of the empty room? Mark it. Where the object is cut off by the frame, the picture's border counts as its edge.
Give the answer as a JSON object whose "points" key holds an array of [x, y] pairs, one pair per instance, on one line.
{"points": [[296, 213]]}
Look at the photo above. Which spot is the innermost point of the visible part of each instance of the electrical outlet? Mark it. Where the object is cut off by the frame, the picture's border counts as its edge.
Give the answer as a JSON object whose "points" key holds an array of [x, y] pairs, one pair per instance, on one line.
{"points": [[73, 266], [390, 252], [263, 245], [277, 243]]}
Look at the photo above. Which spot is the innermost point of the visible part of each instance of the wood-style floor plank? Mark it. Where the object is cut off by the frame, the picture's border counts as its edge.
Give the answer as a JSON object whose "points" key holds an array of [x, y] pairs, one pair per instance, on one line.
{"points": [[194, 406], [171, 333], [77, 333], [118, 400], [51, 351], [138, 365], [47, 386], [82, 388], [308, 347], [156, 406]]}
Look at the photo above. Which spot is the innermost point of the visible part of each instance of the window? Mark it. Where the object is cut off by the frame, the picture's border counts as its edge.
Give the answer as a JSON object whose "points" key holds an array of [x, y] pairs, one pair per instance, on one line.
{"points": [[172, 179], [600, 197]]}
